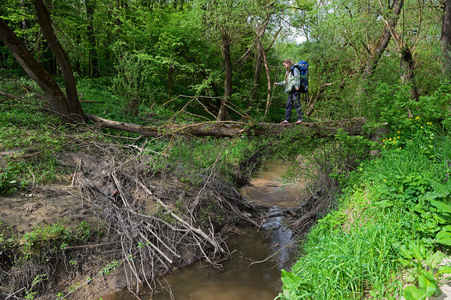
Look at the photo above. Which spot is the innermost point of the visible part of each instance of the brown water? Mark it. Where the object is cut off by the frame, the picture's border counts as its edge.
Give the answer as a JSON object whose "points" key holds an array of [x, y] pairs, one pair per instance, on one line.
{"points": [[253, 269], [244, 275], [267, 188]]}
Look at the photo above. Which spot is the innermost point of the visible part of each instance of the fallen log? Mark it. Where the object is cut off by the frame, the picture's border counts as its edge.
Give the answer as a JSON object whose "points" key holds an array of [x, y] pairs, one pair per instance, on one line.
{"points": [[233, 129]]}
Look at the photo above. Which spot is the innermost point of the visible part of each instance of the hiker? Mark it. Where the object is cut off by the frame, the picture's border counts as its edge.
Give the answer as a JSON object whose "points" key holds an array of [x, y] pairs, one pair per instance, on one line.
{"points": [[291, 84]]}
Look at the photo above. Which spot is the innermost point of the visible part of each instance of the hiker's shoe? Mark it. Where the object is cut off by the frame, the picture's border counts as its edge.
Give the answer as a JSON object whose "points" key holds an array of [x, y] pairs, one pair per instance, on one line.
{"points": [[298, 122], [285, 122]]}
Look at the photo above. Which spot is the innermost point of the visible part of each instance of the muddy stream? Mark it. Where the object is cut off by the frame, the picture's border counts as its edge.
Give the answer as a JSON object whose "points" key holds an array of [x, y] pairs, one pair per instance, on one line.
{"points": [[253, 270]]}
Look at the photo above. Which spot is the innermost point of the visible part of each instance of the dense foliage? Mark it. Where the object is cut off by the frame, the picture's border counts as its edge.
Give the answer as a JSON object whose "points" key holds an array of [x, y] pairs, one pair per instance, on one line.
{"points": [[153, 51], [394, 214]]}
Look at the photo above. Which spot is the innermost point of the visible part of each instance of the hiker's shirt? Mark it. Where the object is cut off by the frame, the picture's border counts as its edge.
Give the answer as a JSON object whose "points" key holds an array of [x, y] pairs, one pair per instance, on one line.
{"points": [[291, 81]]}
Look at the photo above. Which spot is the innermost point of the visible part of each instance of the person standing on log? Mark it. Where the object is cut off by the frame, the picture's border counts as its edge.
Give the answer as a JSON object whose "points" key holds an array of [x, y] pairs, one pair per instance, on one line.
{"points": [[292, 83]]}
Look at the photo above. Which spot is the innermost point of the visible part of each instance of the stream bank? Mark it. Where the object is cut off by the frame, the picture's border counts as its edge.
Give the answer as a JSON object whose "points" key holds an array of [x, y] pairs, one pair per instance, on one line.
{"points": [[110, 193], [258, 253], [138, 225]]}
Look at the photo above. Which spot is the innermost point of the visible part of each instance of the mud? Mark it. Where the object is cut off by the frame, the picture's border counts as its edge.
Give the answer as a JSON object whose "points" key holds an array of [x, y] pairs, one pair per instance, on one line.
{"points": [[74, 272]]}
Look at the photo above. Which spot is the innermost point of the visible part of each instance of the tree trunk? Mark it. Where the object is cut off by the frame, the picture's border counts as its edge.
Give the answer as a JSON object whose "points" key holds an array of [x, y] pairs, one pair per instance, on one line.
{"points": [[24, 24], [446, 39], [93, 61], [268, 76], [226, 41], [407, 59], [378, 49], [170, 79], [61, 56], [260, 57], [257, 71], [408, 65], [36, 72]]}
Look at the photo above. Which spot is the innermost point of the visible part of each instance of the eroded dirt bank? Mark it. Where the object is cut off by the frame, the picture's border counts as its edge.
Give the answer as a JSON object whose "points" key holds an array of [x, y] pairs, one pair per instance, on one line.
{"points": [[142, 224]]}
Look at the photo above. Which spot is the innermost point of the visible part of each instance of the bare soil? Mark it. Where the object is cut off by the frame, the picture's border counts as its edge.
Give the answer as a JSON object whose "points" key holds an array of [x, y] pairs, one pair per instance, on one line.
{"points": [[21, 213], [105, 191]]}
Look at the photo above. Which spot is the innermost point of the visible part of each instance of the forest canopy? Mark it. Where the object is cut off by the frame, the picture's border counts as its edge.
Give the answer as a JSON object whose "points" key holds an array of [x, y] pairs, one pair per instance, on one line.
{"points": [[228, 53]]}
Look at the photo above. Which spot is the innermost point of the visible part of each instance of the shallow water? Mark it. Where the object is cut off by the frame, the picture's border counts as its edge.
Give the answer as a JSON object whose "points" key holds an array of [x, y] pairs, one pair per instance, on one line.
{"points": [[253, 269], [247, 274], [267, 187]]}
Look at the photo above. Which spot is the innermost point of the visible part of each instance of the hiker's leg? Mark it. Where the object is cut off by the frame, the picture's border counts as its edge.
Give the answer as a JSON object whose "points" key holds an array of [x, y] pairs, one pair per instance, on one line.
{"points": [[297, 104], [289, 107]]}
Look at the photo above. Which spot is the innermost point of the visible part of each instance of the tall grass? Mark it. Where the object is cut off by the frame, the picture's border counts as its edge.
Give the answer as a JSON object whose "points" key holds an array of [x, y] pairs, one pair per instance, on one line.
{"points": [[354, 252]]}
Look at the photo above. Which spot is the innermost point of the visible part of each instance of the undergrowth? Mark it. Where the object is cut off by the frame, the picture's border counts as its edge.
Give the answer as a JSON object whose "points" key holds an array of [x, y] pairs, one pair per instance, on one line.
{"points": [[32, 138], [38, 243]]}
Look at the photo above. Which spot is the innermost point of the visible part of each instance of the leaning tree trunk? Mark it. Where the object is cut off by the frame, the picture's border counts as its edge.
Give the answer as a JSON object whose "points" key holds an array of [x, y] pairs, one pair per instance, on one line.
{"points": [[446, 39], [222, 115], [61, 56], [378, 49], [36, 72], [268, 76]]}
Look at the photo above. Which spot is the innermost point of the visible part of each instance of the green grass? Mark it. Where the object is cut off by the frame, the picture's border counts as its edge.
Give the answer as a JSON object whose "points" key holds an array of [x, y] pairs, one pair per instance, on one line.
{"points": [[57, 236], [394, 201]]}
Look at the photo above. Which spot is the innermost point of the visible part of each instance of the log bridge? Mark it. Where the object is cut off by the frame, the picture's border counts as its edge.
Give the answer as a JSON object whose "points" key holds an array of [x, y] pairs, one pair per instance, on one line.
{"points": [[234, 129]]}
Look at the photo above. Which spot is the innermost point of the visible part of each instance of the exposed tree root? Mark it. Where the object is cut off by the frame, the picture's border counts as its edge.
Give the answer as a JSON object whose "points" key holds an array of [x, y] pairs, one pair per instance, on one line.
{"points": [[157, 230]]}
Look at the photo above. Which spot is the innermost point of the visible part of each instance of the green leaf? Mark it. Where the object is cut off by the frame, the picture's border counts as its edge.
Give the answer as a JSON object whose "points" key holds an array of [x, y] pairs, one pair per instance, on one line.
{"points": [[405, 252], [405, 262], [444, 237], [435, 259], [411, 275], [444, 270], [427, 283], [443, 207], [384, 203], [289, 279], [441, 189], [418, 251], [430, 196], [413, 293], [419, 208]]}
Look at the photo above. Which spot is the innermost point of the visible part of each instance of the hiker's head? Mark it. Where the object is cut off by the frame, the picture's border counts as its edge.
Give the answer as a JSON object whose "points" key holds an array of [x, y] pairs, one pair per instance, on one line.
{"points": [[287, 63]]}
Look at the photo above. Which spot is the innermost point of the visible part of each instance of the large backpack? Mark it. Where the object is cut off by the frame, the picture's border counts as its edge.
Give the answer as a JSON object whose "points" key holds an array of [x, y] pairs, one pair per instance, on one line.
{"points": [[302, 66]]}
